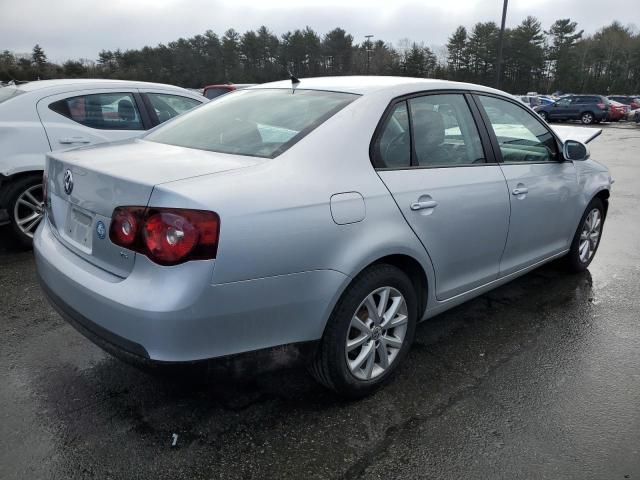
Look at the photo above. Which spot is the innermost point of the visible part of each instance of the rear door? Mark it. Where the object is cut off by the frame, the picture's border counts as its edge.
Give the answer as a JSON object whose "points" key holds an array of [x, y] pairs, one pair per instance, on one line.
{"points": [[543, 188], [429, 153], [91, 116]]}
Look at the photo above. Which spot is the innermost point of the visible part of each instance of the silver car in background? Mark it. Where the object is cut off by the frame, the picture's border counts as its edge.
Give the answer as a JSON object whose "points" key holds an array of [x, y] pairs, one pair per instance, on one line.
{"points": [[339, 211]]}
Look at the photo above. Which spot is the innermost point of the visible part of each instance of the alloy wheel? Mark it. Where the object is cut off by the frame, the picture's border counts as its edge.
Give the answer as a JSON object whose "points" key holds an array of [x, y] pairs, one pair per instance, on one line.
{"points": [[587, 118], [29, 210], [376, 333], [590, 235]]}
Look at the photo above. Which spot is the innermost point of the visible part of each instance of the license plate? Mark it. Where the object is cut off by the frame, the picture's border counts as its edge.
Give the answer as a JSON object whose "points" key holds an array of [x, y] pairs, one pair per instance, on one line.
{"points": [[78, 228]]}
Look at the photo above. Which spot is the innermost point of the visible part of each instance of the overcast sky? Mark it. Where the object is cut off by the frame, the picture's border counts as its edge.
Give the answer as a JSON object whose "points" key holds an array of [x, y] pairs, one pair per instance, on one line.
{"points": [[81, 28]]}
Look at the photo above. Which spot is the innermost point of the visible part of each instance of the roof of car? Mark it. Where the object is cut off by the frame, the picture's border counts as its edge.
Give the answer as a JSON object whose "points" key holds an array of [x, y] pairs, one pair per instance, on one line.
{"points": [[88, 83], [367, 84]]}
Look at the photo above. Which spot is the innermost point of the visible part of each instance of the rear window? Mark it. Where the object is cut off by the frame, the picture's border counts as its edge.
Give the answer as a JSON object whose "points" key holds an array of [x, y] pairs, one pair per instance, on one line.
{"points": [[260, 123], [8, 92], [216, 92]]}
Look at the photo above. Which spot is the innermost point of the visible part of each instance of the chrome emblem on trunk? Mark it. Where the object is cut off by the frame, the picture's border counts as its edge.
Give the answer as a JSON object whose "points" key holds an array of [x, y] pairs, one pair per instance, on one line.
{"points": [[67, 182], [101, 230]]}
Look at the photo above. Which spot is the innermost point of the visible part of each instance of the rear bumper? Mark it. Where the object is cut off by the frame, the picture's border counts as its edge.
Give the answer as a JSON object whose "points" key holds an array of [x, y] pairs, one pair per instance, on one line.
{"points": [[175, 314]]}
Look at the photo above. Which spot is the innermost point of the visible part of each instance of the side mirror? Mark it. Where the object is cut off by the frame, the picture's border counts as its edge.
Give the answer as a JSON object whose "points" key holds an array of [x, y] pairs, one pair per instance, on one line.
{"points": [[575, 150]]}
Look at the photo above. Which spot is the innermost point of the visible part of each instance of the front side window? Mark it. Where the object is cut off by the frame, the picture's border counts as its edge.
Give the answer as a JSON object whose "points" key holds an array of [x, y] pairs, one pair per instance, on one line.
{"points": [[104, 111], [444, 133], [522, 138], [260, 123], [564, 102], [168, 106]]}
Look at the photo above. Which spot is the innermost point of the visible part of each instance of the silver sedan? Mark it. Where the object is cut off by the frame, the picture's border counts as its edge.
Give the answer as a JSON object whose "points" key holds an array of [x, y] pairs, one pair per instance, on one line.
{"points": [[336, 212]]}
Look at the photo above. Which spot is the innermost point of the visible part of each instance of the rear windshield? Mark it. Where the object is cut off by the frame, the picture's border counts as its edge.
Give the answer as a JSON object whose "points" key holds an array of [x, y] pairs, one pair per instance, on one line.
{"points": [[259, 123], [8, 92], [216, 92]]}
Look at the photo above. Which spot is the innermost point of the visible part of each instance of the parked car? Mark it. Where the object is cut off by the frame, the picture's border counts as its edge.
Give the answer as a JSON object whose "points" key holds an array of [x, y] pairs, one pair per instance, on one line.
{"points": [[617, 111], [586, 108], [531, 100], [633, 102], [213, 91], [546, 100], [51, 115], [244, 225]]}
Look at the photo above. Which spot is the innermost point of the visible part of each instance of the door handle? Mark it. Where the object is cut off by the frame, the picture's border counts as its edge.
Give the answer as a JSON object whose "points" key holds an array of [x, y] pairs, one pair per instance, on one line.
{"points": [[72, 140], [520, 191], [424, 205]]}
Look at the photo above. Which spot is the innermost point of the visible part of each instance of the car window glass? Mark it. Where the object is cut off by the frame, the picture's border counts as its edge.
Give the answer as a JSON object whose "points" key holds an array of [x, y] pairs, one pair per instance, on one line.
{"points": [[105, 111], [522, 138], [564, 102], [168, 106], [444, 133], [215, 92], [261, 123], [394, 142]]}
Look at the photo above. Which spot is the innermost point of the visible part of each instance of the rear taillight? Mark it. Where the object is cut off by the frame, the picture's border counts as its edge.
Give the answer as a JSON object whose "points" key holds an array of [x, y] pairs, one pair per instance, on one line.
{"points": [[168, 236]]}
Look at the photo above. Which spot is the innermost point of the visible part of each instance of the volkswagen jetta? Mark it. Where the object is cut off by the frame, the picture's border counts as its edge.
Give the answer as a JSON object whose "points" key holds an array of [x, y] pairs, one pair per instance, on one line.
{"points": [[338, 211]]}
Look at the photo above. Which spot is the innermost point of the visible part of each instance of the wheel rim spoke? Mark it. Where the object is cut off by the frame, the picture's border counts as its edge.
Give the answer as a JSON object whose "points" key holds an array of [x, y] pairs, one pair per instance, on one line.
{"points": [[372, 308], [357, 342], [392, 311], [392, 342], [365, 353], [27, 212]]}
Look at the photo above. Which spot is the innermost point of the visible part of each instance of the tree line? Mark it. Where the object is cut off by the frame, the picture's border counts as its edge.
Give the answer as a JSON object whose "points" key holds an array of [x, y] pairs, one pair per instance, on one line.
{"points": [[560, 58]]}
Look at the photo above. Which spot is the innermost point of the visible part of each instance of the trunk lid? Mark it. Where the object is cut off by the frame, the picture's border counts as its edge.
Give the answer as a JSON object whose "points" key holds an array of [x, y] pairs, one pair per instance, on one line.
{"points": [[85, 185]]}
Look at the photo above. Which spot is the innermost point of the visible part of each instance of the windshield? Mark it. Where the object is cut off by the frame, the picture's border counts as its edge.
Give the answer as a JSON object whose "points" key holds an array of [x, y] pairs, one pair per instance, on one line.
{"points": [[8, 92], [259, 123]]}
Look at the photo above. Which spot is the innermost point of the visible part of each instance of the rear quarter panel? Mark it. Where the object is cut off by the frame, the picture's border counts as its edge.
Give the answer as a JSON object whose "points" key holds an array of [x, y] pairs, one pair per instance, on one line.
{"points": [[276, 217]]}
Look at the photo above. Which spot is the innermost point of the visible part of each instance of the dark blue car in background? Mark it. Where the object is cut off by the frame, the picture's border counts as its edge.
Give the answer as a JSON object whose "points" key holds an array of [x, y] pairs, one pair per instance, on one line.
{"points": [[586, 108]]}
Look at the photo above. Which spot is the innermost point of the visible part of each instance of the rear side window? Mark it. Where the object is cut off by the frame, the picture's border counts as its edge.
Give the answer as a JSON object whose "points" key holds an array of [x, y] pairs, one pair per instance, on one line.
{"points": [[393, 146], [168, 106], [216, 92], [104, 111], [260, 123], [521, 136]]}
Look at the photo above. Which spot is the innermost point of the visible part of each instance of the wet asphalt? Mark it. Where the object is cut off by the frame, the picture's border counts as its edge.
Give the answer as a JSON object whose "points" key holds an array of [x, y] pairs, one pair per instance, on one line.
{"points": [[538, 379]]}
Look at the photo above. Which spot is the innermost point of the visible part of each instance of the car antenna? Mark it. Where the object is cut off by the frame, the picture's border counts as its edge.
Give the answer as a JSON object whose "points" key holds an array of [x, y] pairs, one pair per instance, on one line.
{"points": [[294, 81]]}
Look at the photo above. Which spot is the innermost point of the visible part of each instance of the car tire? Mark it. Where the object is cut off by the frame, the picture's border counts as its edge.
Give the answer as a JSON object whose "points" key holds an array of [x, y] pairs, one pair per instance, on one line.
{"points": [[25, 208], [335, 363], [587, 118], [577, 260], [544, 116]]}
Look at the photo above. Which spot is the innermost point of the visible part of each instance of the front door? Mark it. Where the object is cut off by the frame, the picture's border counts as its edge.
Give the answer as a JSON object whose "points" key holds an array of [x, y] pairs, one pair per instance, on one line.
{"points": [[543, 188], [430, 155]]}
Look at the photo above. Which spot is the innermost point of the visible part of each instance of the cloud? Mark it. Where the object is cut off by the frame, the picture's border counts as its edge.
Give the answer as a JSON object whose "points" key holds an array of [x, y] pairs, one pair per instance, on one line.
{"points": [[81, 28]]}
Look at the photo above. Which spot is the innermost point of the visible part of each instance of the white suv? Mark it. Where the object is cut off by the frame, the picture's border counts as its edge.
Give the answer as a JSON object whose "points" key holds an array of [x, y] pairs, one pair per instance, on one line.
{"points": [[49, 115]]}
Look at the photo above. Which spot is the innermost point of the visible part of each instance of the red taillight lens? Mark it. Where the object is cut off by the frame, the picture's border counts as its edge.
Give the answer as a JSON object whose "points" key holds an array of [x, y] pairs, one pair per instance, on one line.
{"points": [[125, 224], [167, 236]]}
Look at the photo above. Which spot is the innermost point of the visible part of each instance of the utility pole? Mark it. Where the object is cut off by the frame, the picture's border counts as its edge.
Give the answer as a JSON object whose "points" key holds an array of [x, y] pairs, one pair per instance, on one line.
{"points": [[368, 42], [500, 44]]}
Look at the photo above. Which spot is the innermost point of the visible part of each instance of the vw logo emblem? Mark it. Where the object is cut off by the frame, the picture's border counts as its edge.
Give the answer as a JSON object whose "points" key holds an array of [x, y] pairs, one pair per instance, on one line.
{"points": [[68, 182]]}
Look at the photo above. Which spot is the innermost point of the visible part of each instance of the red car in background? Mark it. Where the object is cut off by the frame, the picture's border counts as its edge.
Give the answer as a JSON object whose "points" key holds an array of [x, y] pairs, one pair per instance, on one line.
{"points": [[633, 102], [617, 111], [213, 91]]}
